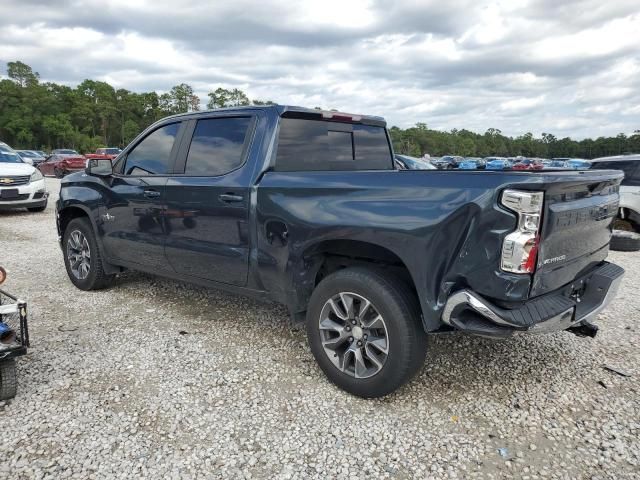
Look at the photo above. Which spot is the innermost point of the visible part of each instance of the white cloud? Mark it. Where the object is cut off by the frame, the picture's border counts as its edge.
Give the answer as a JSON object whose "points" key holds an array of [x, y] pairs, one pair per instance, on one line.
{"points": [[571, 65]]}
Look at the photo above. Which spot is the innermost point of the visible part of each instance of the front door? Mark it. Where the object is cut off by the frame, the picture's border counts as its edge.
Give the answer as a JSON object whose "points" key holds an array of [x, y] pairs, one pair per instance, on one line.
{"points": [[46, 167], [208, 205], [133, 221]]}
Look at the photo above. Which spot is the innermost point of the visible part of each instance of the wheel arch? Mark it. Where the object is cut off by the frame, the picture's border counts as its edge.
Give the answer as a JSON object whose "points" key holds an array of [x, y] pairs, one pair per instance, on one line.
{"points": [[70, 212], [327, 256]]}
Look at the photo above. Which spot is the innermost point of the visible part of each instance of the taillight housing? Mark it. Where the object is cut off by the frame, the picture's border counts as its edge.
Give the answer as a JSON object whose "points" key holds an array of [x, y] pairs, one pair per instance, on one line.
{"points": [[520, 248]]}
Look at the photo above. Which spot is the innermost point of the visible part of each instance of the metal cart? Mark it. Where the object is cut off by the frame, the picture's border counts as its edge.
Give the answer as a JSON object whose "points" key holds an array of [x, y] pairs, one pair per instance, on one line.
{"points": [[14, 340]]}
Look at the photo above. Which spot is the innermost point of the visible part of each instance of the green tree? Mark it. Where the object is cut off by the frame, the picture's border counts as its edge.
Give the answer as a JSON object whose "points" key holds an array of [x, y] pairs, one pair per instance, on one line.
{"points": [[22, 74], [93, 113]]}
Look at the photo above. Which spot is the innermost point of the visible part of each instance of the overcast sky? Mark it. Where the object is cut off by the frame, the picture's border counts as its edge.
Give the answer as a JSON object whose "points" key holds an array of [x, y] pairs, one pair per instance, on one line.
{"points": [[568, 67]]}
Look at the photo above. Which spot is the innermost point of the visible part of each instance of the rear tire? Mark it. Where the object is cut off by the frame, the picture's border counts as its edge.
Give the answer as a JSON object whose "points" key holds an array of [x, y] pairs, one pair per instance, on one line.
{"points": [[82, 257], [8, 379], [625, 241], [58, 173], [397, 306]]}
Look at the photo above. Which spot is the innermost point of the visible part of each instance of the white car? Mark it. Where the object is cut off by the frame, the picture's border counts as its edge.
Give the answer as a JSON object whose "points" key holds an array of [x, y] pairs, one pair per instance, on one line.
{"points": [[21, 185], [630, 187]]}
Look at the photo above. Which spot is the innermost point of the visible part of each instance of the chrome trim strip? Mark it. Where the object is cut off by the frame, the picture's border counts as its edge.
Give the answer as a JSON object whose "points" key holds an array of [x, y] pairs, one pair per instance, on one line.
{"points": [[466, 297]]}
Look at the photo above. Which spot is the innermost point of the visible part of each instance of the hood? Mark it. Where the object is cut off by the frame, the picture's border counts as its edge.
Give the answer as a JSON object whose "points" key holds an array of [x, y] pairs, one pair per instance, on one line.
{"points": [[16, 169]]}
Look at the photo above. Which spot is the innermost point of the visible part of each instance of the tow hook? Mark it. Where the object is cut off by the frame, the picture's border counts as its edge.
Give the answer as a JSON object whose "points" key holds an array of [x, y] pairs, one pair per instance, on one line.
{"points": [[584, 330]]}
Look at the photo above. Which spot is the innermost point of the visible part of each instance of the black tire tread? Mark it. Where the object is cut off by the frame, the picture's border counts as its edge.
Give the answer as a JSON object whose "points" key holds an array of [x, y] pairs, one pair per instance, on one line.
{"points": [[396, 292], [100, 278], [628, 242], [8, 379]]}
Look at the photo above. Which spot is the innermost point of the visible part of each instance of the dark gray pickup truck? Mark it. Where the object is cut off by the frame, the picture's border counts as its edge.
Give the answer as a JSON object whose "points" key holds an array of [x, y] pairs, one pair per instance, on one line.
{"points": [[306, 208]]}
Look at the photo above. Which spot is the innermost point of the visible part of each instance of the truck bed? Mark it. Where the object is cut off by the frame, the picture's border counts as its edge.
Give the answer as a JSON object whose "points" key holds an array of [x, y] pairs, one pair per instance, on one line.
{"points": [[446, 227]]}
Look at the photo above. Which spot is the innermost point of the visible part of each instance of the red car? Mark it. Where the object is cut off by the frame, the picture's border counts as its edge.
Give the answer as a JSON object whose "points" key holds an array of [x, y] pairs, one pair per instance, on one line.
{"points": [[528, 164], [109, 153], [62, 164]]}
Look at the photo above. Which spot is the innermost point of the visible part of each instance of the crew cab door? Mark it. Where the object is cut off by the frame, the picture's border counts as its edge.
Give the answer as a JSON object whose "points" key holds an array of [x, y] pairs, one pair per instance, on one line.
{"points": [[207, 204], [133, 219]]}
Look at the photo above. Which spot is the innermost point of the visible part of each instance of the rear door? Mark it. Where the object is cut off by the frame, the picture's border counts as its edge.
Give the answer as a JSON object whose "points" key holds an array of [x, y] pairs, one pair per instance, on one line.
{"points": [[576, 229], [133, 221], [207, 202]]}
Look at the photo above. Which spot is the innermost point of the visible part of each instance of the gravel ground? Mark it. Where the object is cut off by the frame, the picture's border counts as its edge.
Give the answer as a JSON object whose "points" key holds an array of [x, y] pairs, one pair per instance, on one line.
{"points": [[154, 378]]}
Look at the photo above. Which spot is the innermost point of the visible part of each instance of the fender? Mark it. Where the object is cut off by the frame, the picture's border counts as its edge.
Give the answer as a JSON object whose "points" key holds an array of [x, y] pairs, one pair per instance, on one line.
{"points": [[82, 199]]}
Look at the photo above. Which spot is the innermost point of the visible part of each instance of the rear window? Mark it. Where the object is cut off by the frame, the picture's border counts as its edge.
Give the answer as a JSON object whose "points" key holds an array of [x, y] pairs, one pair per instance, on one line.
{"points": [[305, 145]]}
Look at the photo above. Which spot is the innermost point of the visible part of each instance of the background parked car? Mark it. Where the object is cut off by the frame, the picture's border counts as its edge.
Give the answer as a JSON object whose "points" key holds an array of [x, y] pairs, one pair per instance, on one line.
{"points": [[31, 157], [447, 162], [64, 151], [575, 163], [528, 164], [579, 164], [21, 185], [497, 163], [62, 164], [468, 164], [405, 162], [109, 153], [629, 188], [556, 164]]}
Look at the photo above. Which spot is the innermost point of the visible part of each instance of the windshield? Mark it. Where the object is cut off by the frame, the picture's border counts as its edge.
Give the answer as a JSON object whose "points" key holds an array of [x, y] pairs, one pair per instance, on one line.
{"points": [[66, 152], [25, 153], [9, 157], [112, 151]]}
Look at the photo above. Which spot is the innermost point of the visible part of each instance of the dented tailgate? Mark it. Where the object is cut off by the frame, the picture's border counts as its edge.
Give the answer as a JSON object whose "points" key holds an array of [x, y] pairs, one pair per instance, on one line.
{"points": [[576, 228]]}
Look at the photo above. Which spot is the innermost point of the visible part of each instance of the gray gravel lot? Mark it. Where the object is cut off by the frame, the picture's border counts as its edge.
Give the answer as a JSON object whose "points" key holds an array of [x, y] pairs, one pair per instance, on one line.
{"points": [[154, 378]]}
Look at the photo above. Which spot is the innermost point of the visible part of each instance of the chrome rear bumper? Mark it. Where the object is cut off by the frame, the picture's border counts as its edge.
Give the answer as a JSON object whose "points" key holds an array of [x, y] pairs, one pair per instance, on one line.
{"points": [[570, 306]]}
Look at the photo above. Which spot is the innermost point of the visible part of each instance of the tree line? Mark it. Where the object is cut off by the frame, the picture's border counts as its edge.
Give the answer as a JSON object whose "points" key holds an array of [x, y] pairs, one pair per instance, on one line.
{"points": [[45, 115]]}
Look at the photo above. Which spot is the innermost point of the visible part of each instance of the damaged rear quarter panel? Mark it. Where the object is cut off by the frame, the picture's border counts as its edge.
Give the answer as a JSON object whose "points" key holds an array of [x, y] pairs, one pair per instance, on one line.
{"points": [[446, 227]]}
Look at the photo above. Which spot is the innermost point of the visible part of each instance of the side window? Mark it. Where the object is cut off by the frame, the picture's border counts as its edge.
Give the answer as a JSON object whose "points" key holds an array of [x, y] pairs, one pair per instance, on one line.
{"points": [[217, 146], [152, 155], [307, 145]]}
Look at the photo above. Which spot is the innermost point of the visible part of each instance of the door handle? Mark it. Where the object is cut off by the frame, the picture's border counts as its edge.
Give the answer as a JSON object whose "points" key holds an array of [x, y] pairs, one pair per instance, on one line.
{"points": [[230, 198], [151, 193]]}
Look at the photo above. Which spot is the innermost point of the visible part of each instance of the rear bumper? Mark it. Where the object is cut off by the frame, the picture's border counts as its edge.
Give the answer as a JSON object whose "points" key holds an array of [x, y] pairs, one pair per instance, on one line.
{"points": [[577, 303]]}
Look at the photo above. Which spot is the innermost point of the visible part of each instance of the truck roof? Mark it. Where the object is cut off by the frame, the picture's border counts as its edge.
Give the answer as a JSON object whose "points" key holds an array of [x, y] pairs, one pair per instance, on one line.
{"points": [[295, 111]]}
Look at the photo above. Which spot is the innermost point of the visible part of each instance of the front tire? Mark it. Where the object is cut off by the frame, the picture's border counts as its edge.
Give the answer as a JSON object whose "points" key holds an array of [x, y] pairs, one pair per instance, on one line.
{"points": [[365, 332], [58, 173], [82, 258]]}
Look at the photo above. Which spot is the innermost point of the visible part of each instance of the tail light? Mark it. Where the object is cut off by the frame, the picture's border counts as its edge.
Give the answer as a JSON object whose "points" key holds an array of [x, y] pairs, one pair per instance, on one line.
{"points": [[520, 248]]}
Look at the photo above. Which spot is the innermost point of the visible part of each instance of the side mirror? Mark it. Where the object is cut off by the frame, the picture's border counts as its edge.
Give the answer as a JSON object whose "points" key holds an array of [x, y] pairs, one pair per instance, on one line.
{"points": [[99, 167]]}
